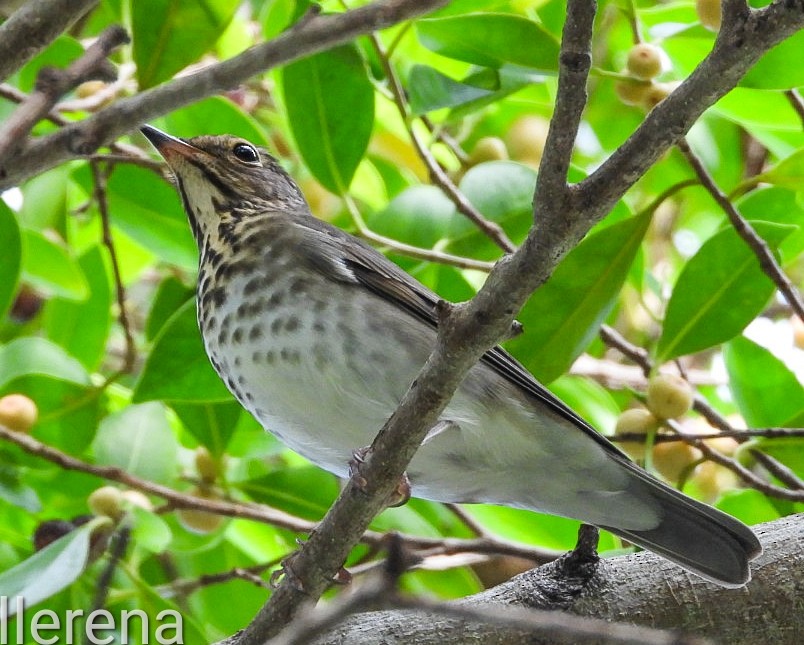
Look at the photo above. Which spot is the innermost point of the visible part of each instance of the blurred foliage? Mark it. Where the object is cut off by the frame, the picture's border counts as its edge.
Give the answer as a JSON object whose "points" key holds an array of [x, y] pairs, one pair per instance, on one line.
{"points": [[671, 276]]}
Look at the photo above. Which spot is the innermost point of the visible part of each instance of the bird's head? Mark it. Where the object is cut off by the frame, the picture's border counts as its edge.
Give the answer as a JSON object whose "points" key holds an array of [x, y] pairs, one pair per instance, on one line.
{"points": [[225, 179]]}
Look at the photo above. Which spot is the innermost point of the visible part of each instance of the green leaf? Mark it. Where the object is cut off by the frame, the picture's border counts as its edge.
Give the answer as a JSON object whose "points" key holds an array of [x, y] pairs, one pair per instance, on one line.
{"points": [[50, 570], [15, 492], [170, 296], [138, 439], [719, 291], [212, 424], [10, 258], [60, 53], [214, 115], [563, 316], [49, 267], [330, 105], [490, 40], [148, 210], [777, 70], [150, 531], [429, 89], [45, 200], [168, 35], [177, 369], [787, 450], [419, 215], [306, 492], [32, 355], [503, 192], [789, 172], [82, 327], [749, 506], [766, 392], [778, 205]]}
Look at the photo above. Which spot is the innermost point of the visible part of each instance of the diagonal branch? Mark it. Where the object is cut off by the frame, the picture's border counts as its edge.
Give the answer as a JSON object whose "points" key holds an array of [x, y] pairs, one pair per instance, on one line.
{"points": [[744, 229], [33, 27], [312, 569], [52, 83], [308, 37]]}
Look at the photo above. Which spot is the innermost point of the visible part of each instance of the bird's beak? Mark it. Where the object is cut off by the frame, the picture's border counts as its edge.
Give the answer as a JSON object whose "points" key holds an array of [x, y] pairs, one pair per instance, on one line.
{"points": [[168, 146]]}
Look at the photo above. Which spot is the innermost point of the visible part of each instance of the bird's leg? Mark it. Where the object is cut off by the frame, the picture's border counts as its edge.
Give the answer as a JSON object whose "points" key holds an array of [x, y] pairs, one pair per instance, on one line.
{"points": [[399, 496]]}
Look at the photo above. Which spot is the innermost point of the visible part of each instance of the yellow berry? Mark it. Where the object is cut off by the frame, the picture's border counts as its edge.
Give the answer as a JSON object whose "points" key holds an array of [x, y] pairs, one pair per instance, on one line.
{"points": [[709, 13], [18, 412], [206, 465], [632, 92], [106, 501], [644, 61], [673, 459], [658, 92], [487, 149], [636, 420], [669, 396], [197, 521], [526, 138], [136, 498], [711, 480], [89, 88]]}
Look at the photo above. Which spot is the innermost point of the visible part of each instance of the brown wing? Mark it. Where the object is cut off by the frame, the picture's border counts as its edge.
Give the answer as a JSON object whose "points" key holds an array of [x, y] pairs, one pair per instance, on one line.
{"points": [[375, 272]]}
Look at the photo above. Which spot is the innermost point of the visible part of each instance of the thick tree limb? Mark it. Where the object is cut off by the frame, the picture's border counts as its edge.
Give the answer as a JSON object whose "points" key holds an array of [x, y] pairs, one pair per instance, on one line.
{"points": [[33, 27], [640, 589], [308, 37]]}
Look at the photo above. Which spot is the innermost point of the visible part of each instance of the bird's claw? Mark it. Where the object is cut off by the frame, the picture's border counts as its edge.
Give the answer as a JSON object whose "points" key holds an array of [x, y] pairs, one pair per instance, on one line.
{"points": [[399, 496]]}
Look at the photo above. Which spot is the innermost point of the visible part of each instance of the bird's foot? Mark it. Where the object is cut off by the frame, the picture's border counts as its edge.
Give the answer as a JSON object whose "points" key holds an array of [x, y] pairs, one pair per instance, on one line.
{"points": [[399, 496]]}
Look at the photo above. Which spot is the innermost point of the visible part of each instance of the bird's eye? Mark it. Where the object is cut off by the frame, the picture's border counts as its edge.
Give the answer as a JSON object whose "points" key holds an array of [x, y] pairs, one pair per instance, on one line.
{"points": [[246, 153]]}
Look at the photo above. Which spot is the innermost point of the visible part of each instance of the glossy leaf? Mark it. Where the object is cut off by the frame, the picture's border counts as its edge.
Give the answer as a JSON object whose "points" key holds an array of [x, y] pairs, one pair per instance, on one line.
{"points": [[138, 439], [82, 327], [14, 491], [168, 35], [766, 392], [430, 90], [564, 315], [171, 294], [503, 192], [148, 210], [777, 69], [10, 258], [50, 570], [781, 206], [49, 267], [719, 291], [31, 355], [789, 172], [420, 215], [212, 424], [330, 106], [177, 369], [214, 115], [490, 40]]}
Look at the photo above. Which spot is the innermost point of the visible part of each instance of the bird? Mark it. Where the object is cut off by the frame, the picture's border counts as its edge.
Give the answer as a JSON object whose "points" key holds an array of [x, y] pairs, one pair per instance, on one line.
{"points": [[318, 335]]}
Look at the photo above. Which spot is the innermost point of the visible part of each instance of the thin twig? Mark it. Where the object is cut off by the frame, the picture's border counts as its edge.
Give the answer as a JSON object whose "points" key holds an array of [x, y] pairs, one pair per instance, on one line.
{"points": [[797, 102], [51, 84], [744, 229], [429, 255], [613, 339], [437, 174], [130, 355], [265, 514], [117, 549]]}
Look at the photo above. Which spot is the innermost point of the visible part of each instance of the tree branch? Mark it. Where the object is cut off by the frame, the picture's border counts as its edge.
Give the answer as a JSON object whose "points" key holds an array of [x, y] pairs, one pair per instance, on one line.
{"points": [[639, 589], [308, 37], [52, 83], [744, 229], [33, 27]]}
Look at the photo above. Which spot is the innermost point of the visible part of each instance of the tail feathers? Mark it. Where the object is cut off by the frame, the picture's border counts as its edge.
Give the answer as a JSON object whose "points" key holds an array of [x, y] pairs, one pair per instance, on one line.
{"points": [[697, 537]]}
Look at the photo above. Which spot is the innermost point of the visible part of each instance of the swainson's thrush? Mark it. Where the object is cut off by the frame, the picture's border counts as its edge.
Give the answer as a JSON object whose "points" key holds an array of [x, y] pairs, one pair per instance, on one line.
{"points": [[318, 336]]}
